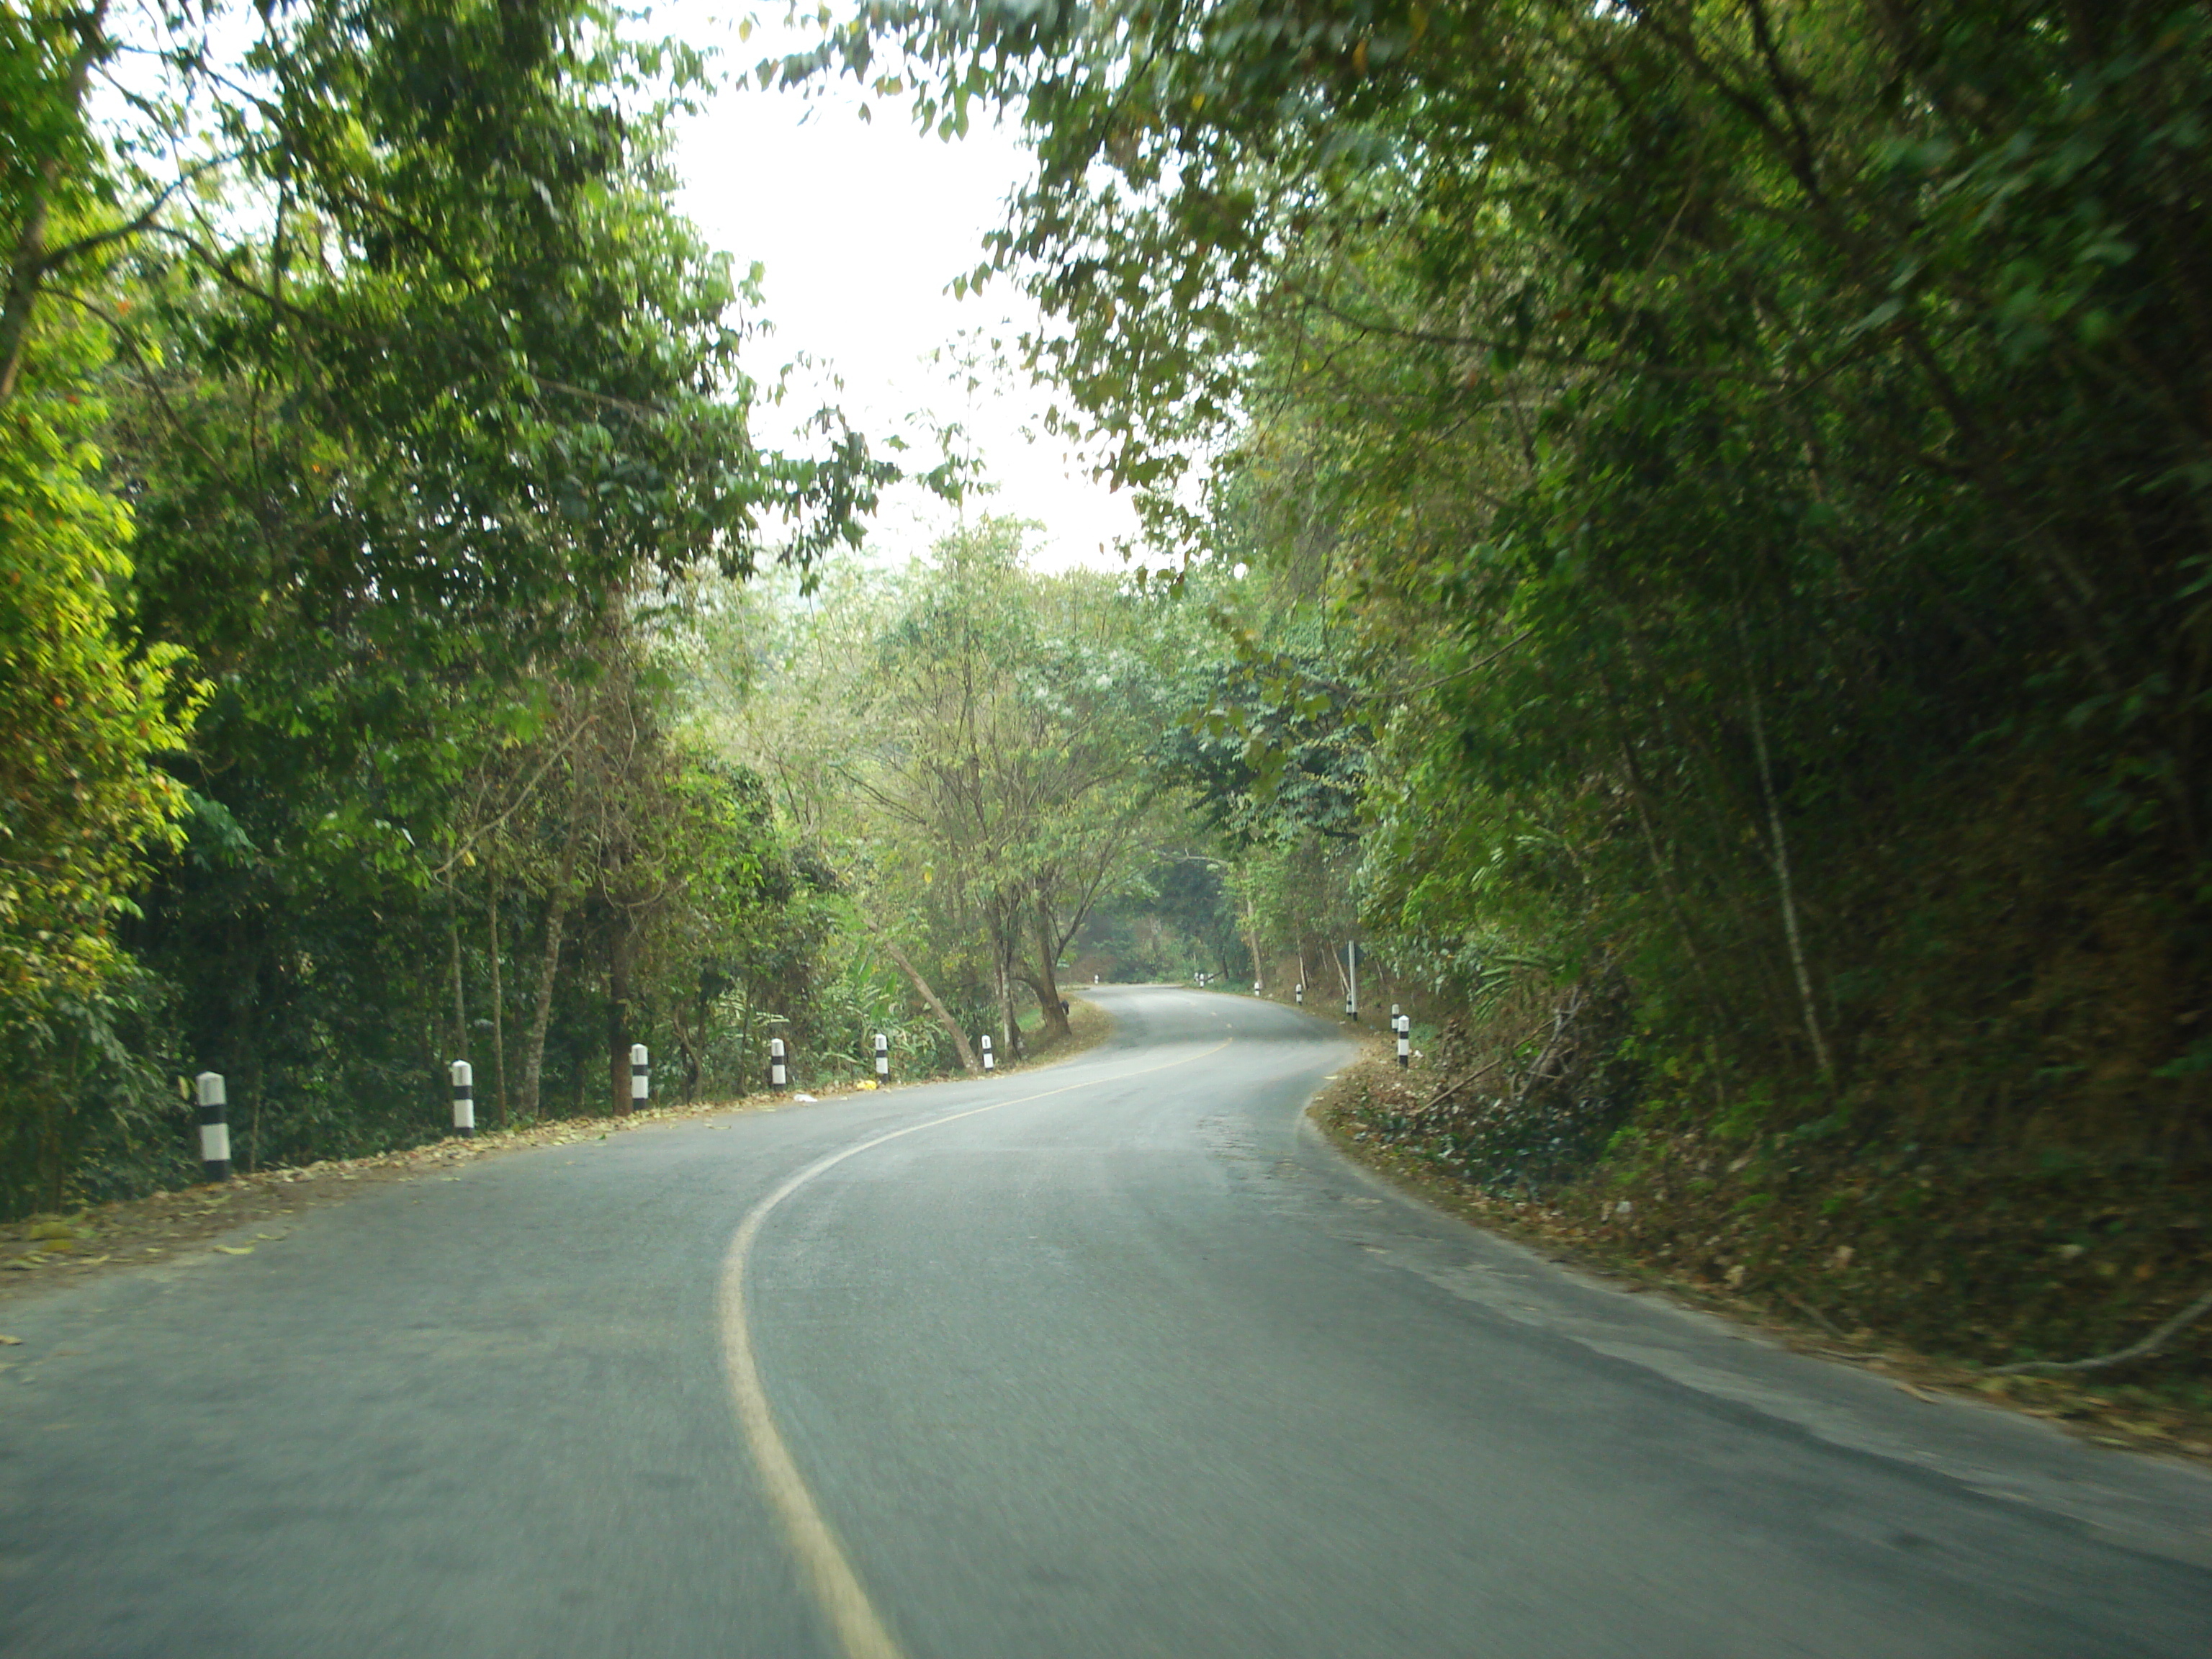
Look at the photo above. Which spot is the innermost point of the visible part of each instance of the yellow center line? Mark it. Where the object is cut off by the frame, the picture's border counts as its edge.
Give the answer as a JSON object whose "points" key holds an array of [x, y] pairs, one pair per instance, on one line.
{"points": [[836, 1587]]}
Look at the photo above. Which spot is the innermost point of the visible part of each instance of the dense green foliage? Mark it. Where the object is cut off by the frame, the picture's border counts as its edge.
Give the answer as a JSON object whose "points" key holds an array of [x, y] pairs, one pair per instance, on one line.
{"points": [[367, 419], [1752, 459], [968, 743]]}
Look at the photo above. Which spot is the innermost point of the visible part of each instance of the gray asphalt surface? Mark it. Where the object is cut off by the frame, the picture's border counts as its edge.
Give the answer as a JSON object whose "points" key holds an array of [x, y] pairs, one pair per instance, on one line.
{"points": [[1135, 1367]]}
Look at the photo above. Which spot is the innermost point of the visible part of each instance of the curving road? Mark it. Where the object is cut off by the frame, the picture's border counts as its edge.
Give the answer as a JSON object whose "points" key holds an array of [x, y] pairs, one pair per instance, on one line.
{"points": [[1111, 1358]]}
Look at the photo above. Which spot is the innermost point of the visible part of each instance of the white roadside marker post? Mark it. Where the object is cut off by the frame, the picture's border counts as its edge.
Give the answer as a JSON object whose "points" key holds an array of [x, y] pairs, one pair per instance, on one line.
{"points": [[1404, 1025], [464, 1098], [641, 1077], [990, 1061], [778, 1074], [1301, 994], [883, 1057], [214, 1132]]}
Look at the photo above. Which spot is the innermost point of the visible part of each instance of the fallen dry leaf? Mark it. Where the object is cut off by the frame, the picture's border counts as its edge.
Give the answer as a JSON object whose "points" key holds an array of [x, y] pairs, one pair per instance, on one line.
{"points": [[11, 1341], [234, 1249]]}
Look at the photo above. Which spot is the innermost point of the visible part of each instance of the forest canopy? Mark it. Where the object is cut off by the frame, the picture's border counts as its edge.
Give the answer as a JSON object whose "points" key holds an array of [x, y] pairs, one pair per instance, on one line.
{"points": [[360, 400], [1675, 532], [1745, 465]]}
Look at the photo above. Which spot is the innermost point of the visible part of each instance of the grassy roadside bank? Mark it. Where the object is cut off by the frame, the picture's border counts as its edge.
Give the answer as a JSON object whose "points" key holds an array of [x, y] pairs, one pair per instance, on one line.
{"points": [[45, 1251], [1371, 1111]]}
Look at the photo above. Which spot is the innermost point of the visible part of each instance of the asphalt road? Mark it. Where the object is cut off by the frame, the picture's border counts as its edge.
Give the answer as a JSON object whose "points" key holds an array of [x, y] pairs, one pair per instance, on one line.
{"points": [[1115, 1357]]}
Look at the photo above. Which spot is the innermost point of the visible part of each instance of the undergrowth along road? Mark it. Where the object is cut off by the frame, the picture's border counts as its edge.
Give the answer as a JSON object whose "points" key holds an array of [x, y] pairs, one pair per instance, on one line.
{"points": [[1365, 1110], [253, 1209]]}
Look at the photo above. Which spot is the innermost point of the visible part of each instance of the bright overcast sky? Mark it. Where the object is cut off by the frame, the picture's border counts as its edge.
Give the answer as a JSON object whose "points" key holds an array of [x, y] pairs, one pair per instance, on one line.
{"points": [[861, 226]]}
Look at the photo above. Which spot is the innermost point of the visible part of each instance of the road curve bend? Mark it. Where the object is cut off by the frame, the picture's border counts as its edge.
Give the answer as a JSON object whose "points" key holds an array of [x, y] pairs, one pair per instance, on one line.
{"points": [[1115, 1358]]}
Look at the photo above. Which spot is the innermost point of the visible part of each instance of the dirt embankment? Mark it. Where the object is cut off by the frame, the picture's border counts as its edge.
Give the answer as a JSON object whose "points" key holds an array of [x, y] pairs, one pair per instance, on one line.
{"points": [[1929, 1256]]}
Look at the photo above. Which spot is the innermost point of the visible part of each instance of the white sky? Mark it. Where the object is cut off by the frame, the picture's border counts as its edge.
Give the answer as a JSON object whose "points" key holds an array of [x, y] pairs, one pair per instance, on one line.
{"points": [[861, 227]]}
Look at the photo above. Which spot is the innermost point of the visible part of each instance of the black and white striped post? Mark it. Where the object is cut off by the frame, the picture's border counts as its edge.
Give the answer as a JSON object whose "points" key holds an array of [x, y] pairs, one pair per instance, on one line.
{"points": [[883, 1057], [641, 1077], [1301, 994], [1403, 1025], [990, 1060], [463, 1078], [214, 1131], [778, 1074]]}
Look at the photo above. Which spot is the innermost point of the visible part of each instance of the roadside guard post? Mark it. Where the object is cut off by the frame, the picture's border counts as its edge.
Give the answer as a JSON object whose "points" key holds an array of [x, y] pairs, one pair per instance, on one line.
{"points": [[464, 1097], [883, 1057], [641, 1077], [1405, 1024], [1301, 993], [214, 1131], [777, 1074], [990, 1060]]}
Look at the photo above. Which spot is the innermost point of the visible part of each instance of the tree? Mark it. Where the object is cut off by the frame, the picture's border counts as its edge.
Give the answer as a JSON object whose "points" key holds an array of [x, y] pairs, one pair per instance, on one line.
{"points": [[84, 710], [1008, 710], [418, 390], [1742, 437], [964, 743]]}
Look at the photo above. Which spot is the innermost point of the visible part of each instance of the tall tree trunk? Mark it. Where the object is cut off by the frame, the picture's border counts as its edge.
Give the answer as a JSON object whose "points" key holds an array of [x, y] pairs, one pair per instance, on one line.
{"points": [[1252, 940], [28, 259], [1010, 1030], [1779, 854], [556, 918], [921, 986], [1047, 987], [694, 1042], [498, 1001], [618, 1019], [460, 991]]}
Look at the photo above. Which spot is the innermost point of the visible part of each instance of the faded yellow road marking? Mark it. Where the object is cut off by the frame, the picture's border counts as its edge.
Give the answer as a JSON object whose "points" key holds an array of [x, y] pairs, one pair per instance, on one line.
{"points": [[836, 1587]]}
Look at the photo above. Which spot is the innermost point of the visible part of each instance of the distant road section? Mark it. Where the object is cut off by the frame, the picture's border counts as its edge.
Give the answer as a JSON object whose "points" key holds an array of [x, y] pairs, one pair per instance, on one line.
{"points": [[1114, 1359]]}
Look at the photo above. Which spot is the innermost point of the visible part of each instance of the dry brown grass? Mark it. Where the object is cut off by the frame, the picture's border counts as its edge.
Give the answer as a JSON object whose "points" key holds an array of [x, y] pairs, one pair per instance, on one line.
{"points": [[2114, 1414]]}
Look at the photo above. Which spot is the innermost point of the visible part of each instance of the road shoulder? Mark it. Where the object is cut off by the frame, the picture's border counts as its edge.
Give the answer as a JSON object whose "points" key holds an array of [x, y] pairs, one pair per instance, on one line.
{"points": [[2078, 1407]]}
